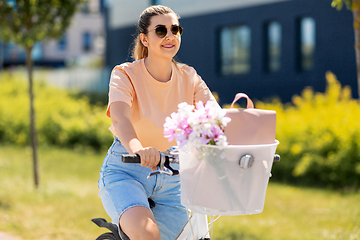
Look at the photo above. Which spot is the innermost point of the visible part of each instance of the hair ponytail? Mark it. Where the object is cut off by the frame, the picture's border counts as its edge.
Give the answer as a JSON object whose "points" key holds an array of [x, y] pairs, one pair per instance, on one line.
{"points": [[139, 51]]}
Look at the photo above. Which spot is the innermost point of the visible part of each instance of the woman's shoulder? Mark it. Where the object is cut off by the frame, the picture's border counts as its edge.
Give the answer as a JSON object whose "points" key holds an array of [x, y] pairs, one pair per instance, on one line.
{"points": [[185, 69], [128, 67], [125, 72]]}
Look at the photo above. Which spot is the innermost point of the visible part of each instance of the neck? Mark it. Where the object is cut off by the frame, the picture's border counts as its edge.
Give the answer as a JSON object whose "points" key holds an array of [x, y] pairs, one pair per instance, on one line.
{"points": [[159, 69]]}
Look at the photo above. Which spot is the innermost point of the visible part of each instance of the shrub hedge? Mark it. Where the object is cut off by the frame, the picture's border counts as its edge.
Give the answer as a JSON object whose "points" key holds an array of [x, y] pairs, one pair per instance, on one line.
{"points": [[62, 118], [319, 136], [319, 133]]}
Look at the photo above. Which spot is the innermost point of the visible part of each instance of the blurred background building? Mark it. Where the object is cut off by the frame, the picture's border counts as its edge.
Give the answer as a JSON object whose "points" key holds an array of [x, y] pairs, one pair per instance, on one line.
{"points": [[76, 61], [264, 48], [85, 38]]}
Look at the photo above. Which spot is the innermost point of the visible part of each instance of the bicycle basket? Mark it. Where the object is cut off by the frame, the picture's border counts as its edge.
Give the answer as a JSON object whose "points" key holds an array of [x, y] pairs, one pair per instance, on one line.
{"points": [[214, 183]]}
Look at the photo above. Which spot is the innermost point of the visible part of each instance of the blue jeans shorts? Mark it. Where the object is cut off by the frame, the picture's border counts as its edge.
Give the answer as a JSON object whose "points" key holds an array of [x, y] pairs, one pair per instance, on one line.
{"points": [[125, 185]]}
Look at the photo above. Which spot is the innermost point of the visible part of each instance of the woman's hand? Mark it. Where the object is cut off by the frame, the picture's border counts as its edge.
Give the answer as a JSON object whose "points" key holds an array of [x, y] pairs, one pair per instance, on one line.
{"points": [[150, 157]]}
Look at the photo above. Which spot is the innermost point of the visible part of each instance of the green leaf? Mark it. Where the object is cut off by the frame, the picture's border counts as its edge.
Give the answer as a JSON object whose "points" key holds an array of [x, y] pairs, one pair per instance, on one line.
{"points": [[338, 4]]}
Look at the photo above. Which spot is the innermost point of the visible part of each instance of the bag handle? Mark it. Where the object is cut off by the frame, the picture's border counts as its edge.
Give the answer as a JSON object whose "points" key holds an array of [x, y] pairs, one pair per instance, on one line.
{"points": [[250, 103]]}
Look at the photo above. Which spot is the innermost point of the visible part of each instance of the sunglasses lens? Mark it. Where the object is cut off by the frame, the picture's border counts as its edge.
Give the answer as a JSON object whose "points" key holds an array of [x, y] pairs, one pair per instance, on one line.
{"points": [[161, 31], [177, 30]]}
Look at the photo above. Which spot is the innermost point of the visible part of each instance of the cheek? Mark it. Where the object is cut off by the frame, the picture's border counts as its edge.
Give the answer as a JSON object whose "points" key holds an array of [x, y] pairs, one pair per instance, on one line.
{"points": [[179, 43], [155, 43]]}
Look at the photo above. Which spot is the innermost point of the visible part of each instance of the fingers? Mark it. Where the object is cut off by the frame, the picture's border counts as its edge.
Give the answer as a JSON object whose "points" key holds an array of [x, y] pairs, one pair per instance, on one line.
{"points": [[150, 157]]}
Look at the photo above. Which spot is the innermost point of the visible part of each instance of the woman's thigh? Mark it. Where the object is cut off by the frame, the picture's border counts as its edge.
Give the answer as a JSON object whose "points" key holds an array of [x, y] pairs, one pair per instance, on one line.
{"points": [[170, 215], [122, 185]]}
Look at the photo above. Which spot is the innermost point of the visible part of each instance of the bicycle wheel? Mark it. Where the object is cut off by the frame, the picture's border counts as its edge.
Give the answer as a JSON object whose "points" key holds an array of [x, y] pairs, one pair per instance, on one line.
{"points": [[107, 236]]}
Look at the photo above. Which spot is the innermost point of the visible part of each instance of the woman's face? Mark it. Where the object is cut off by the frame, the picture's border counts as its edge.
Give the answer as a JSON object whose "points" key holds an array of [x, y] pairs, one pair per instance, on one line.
{"points": [[166, 47]]}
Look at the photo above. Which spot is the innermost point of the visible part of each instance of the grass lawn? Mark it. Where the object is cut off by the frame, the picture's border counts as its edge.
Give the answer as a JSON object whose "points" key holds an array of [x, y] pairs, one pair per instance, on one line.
{"points": [[67, 200]]}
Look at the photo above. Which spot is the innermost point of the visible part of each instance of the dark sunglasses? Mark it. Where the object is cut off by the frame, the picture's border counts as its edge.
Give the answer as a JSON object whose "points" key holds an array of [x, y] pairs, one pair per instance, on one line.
{"points": [[161, 30]]}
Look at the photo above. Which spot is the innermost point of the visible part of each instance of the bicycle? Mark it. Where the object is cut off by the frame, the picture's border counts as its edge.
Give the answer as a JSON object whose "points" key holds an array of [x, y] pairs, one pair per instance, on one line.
{"points": [[197, 226]]}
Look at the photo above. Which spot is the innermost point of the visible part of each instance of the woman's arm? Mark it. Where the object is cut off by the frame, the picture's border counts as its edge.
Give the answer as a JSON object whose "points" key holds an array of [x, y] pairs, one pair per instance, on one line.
{"points": [[202, 91], [120, 113]]}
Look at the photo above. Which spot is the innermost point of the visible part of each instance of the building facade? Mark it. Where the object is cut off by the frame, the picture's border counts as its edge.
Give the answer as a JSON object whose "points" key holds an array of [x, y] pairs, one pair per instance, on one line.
{"points": [[85, 39], [264, 48]]}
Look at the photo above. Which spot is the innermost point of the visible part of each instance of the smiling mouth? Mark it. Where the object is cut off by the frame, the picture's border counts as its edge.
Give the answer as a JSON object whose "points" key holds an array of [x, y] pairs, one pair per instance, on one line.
{"points": [[168, 46]]}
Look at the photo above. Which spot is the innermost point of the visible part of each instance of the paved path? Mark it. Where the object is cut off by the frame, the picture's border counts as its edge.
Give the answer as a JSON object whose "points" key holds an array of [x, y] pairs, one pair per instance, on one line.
{"points": [[6, 236]]}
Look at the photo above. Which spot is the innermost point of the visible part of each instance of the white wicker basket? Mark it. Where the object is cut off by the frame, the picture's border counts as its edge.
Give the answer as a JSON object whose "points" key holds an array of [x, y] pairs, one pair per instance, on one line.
{"points": [[214, 183]]}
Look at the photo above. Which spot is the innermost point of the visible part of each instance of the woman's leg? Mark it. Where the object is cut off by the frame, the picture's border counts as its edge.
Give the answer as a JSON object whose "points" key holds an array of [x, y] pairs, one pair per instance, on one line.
{"points": [[124, 190], [138, 223], [170, 215]]}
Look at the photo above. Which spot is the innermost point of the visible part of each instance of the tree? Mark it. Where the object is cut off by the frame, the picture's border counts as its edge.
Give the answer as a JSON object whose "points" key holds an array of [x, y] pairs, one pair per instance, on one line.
{"points": [[26, 22], [354, 6]]}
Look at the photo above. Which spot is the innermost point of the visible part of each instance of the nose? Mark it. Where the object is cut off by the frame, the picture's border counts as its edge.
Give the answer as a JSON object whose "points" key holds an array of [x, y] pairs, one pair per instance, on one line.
{"points": [[169, 34]]}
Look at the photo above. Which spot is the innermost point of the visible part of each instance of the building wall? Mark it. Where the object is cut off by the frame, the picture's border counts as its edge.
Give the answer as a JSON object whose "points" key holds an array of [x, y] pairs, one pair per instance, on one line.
{"points": [[124, 13], [92, 23], [90, 19], [201, 47]]}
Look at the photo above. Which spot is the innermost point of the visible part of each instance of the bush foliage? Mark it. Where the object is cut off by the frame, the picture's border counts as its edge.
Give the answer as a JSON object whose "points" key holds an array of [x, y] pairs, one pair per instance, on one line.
{"points": [[319, 133], [62, 118], [319, 136]]}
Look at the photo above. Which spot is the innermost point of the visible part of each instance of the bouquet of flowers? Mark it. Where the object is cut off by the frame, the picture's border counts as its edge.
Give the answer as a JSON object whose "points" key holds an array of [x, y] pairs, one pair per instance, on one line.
{"points": [[199, 125]]}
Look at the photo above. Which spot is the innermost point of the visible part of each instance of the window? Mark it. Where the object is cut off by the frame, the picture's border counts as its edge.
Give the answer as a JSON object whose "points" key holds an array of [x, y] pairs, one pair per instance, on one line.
{"points": [[86, 41], [307, 43], [37, 52], [274, 36], [85, 8], [13, 53], [61, 46], [235, 44]]}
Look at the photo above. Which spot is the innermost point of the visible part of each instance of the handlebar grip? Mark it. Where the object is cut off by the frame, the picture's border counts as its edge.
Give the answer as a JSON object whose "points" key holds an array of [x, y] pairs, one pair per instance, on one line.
{"points": [[130, 158]]}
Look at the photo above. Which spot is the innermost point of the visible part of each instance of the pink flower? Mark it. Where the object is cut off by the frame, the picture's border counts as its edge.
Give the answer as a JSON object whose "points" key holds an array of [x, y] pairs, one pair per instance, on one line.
{"points": [[170, 125], [202, 124]]}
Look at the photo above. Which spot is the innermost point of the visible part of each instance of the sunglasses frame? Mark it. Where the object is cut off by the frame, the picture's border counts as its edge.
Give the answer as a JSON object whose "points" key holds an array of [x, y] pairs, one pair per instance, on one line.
{"points": [[162, 34]]}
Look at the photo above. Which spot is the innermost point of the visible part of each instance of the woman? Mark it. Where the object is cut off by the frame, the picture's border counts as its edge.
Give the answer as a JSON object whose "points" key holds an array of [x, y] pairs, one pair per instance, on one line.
{"points": [[141, 95]]}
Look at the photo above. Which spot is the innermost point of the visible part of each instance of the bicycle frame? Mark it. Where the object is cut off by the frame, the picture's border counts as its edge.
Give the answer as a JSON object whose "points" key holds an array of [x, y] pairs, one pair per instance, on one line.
{"points": [[195, 228]]}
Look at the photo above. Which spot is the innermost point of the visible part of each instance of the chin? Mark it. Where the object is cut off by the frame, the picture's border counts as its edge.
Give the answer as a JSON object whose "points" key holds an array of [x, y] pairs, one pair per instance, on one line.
{"points": [[169, 56]]}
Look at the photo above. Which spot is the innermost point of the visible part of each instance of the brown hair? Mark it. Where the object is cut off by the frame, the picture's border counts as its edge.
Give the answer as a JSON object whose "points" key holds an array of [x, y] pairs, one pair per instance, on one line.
{"points": [[139, 51]]}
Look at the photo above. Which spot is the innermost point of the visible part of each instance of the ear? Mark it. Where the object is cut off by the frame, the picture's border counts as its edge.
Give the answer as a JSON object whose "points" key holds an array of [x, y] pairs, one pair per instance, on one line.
{"points": [[144, 39]]}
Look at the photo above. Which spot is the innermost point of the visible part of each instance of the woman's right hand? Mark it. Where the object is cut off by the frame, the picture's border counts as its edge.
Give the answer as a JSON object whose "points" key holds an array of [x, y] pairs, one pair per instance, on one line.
{"points": [[150, 157]]}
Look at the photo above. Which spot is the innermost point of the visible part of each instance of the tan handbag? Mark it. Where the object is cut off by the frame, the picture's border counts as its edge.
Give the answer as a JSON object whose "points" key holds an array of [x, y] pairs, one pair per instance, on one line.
{"points": [[250, 126]]}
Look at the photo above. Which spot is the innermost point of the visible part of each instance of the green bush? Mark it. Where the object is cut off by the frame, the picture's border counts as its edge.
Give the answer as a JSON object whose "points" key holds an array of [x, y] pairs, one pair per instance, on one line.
{"points": [[62, 118], [319, 136]]}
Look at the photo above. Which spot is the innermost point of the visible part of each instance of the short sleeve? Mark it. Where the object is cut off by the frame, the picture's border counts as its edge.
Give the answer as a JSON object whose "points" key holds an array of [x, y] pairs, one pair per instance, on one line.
{"points": [[202, 92], [120, 88]]}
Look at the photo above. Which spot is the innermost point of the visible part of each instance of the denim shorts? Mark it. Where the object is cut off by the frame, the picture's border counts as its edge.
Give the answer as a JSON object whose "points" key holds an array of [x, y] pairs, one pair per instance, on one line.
{"points": [[125, 185]]}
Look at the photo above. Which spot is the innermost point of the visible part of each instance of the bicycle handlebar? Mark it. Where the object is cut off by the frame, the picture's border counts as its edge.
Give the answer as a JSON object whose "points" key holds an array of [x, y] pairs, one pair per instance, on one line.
{"points": [[172, 156], [130, 158], [167, 157]]}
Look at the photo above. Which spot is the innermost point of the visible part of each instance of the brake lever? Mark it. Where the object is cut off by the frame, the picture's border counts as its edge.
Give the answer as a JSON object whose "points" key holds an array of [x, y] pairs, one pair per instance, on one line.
{"points": [[164, 166], [159, 171]]}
